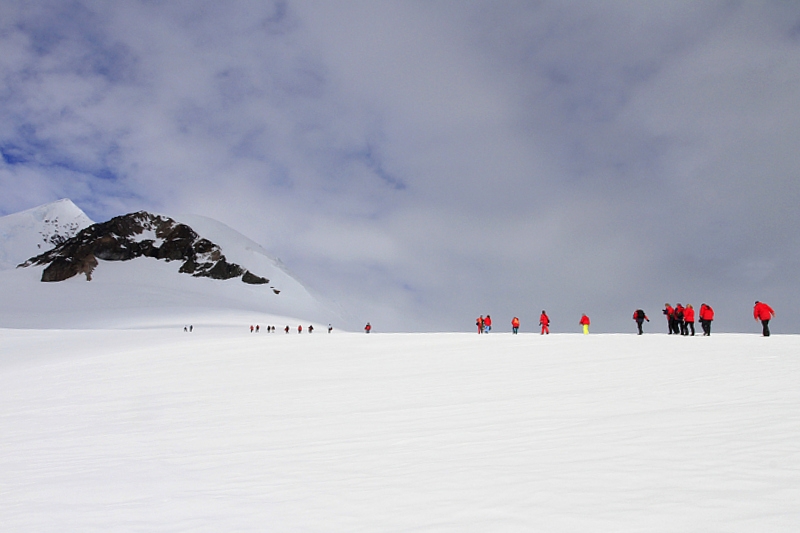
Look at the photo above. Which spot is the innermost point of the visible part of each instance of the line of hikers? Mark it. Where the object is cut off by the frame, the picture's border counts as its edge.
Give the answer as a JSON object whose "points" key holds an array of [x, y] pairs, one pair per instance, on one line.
{"points": [[680, 320], [271, 329]]}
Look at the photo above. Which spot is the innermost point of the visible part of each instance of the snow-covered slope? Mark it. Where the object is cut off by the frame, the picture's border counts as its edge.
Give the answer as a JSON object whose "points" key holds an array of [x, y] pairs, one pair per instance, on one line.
{"points": [[147, 292], [223, 430], [31, 232]]}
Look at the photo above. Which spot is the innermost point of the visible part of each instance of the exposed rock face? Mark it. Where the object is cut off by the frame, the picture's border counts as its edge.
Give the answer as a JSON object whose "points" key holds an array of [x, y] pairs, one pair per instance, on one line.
{"points": [[138, 235]]}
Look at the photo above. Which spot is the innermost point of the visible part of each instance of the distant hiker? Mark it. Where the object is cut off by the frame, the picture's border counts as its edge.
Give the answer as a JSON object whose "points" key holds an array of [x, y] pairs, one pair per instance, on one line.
{"points": [[640, 317], [544, 321], [190, 328], [487, 324], [330, 328], [286, 329], [257, 328], [515, 325], [680, 323], [479, 323], [185, 329], [669, 312], [764, 313], [585, 323], [299, 329], [310, 328], [368, 327], [706, 316], [251, 328], [688, 319]]}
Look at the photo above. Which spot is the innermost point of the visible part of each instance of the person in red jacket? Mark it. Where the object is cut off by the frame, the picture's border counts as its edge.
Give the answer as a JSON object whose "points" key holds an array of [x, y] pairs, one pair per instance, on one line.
{"points": [[544, 321], [680, 323], [764, 313], [688, 318], [706, 316], [585, 323], [639, 316], [669, 312], [515, 325], [479, 323], [487, 324], [368, 327]]}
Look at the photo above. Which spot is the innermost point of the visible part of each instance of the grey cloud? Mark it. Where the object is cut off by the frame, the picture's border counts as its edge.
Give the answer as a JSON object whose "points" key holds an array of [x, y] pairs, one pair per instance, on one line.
{"points": [[427, 162]]}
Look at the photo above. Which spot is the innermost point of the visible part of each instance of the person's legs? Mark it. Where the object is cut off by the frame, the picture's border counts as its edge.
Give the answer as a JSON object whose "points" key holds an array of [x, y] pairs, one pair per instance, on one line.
{"points": [[765, 324]]}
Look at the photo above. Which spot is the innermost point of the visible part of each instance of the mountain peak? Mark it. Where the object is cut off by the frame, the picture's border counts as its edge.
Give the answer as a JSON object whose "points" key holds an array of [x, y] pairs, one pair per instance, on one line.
{"points": [[40, 228], [139, 234]]}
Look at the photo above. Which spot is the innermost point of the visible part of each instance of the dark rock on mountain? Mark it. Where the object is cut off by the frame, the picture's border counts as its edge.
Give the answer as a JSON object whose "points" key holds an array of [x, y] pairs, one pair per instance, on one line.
{"points": [[135, 235]]}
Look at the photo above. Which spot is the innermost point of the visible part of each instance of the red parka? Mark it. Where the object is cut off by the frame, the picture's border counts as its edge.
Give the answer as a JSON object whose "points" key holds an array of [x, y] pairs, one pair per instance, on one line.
{"points": [[688, 314], [706, 313], [762, 311], [584, 320]]}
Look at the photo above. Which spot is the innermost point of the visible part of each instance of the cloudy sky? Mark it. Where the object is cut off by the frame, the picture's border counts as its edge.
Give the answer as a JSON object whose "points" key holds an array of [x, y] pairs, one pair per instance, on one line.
{"points": [[424, 162]]}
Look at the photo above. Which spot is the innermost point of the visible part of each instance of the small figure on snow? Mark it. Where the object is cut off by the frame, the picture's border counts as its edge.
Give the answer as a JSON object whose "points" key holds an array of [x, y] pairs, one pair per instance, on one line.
{"points": [[706, 316], [669, 312], [330, 328], [487, 324], [311, 328], [515, 325], [764, 313], [544, 321], [639, 316], [286, 329], [368, 327], [479, 323], [585, 323], [688, 319]]}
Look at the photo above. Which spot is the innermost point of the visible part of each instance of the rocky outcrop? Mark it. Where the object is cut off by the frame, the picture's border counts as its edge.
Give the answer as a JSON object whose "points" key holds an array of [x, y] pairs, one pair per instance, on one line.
{"points": [[135, 235]]}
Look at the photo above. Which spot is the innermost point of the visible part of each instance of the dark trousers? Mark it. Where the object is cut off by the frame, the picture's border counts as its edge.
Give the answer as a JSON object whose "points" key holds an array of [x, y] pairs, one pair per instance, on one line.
{"points": [[682, 327], [690, 325], [639, 325], [765, 327], [706, 325]]}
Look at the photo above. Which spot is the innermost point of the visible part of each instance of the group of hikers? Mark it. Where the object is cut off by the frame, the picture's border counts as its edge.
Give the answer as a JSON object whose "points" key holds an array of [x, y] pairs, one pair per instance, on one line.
{"points": [[484, 324], [271, 329], [680, 320]]}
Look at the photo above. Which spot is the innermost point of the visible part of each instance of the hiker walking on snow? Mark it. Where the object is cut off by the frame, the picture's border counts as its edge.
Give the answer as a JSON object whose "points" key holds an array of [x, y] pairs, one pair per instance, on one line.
{"points": [[479, 323], [639, 316], [706, 316], [680, 323], [544, 321], [688, 319], [487, 324], [764, 313], [669, 312], [585, 323], [368, 327], [515, 325]]}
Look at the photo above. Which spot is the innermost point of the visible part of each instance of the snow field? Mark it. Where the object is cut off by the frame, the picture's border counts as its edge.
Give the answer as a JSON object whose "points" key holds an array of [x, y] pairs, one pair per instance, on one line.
{"points": [[224, 430]]}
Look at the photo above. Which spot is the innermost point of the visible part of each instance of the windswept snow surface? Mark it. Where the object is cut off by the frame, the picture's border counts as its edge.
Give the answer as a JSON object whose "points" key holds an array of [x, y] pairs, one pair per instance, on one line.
{"points": [[224, 430]]}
